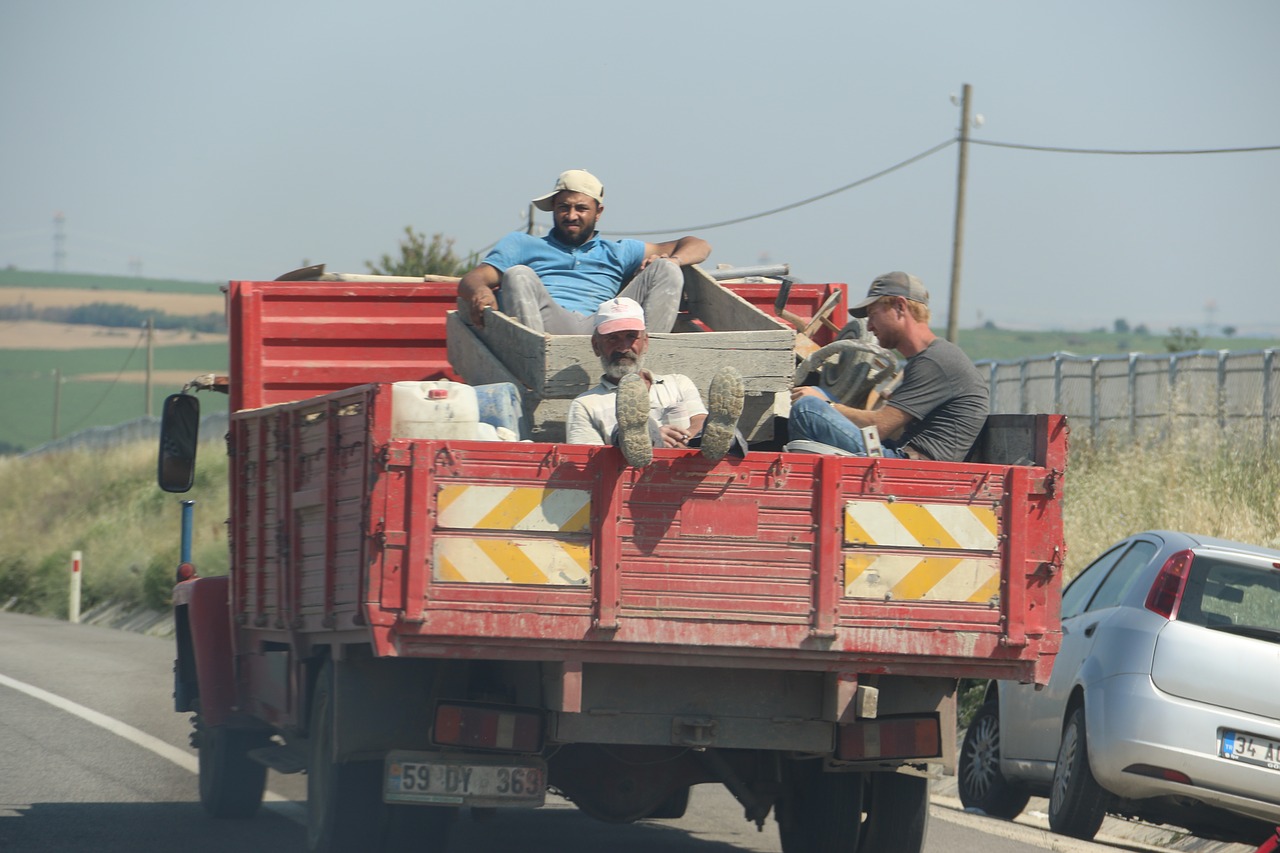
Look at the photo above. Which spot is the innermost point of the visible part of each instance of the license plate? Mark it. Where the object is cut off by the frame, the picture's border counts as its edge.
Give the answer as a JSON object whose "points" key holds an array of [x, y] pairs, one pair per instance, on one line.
{"points": [[1251, 749], [426, 777]]}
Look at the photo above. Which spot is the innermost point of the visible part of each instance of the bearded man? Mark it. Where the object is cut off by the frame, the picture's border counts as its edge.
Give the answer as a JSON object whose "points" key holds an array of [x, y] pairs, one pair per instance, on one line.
{"points": [[638, 410]]}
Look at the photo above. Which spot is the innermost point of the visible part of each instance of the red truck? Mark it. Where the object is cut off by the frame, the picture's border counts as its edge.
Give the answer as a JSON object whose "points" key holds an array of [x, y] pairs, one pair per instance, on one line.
{"points": [[424, 624]]}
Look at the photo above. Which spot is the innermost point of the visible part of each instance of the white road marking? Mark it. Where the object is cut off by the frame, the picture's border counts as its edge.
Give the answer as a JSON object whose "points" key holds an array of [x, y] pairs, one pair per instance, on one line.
{"points": [[185, 760]]}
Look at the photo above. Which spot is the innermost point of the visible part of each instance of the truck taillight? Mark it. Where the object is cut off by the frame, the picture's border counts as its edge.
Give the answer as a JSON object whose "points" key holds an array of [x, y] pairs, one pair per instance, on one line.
{"points": [[893, 737], [1166, 592], [488, 727]]}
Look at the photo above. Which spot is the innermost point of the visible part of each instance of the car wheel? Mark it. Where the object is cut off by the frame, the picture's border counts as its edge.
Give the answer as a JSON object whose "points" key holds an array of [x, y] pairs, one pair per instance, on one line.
{"points": [[1076, 803], [982, 785]]}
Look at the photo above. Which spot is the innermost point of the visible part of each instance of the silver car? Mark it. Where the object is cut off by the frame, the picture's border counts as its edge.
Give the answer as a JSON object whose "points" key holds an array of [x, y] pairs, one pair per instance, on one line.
{"points": [[1163, 704]]}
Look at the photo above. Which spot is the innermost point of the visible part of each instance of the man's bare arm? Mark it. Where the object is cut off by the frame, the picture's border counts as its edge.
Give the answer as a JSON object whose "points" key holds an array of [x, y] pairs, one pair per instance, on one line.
{"points": [[476, 292], [685, 251]]}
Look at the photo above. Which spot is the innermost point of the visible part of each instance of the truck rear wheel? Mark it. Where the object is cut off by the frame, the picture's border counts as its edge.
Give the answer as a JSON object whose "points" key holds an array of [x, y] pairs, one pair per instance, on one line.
{"points": [[897, 814], [345, 811], [821, 812], [342, 799], [231, 783]]}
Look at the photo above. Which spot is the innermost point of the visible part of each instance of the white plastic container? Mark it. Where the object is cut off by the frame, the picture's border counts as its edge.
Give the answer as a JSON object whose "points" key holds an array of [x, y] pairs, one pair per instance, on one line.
{"points": [[437, 409]]}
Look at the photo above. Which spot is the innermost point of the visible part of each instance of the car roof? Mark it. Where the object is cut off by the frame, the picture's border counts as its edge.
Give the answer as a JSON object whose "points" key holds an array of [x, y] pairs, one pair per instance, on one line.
{"points": [[1180, 539]]}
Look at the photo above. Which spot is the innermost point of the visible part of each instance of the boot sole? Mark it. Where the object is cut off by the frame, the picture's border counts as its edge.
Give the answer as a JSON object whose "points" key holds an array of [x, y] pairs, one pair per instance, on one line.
{"points": [[633, 421], [724, 407]]}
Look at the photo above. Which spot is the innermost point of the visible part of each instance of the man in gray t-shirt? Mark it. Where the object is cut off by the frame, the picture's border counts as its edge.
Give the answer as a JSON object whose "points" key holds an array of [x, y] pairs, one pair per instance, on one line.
{"points": [[937, 410]]}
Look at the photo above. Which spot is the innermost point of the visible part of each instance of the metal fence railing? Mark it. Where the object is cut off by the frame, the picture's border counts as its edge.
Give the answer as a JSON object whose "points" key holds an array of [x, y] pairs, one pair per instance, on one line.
{"points": [[1139, 397]]}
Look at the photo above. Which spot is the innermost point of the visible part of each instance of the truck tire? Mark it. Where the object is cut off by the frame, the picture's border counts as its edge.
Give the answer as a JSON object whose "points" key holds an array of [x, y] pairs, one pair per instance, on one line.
{"points": [[345, 811], [1077, 804], [821, 812], [897, 808], [982, 785], [342, 799], [231, 783]]}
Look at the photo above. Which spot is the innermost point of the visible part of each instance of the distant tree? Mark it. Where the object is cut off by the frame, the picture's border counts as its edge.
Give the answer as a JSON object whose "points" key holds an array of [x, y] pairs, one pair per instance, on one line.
{"points": [[1182, 340], [1229, 331], [420, 257], [1141, 329], [990, 325], [1122, 326]]}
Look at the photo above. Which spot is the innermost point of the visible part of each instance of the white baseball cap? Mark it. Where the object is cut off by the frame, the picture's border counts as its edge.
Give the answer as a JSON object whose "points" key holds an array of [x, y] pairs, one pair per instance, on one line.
{"points": [[574, 181], [619, 315]]}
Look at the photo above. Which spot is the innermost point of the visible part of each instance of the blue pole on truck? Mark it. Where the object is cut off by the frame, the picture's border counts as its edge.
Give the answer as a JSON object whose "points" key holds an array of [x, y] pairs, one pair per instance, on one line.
{"points": [[187, 514]]}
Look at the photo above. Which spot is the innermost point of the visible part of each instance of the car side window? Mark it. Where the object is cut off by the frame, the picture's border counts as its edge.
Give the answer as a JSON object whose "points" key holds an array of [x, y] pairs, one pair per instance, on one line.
{"points": [[1080, 590], [1122, 577]]}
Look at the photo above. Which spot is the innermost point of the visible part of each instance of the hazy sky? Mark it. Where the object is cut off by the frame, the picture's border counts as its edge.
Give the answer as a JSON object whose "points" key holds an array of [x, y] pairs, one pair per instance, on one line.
{"points": [[210, 141]]}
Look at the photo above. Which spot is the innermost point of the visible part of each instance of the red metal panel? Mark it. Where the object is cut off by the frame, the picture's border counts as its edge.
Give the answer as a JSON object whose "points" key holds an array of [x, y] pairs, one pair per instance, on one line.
{"points": [[210, 618], [803, 301], [295, 340]]}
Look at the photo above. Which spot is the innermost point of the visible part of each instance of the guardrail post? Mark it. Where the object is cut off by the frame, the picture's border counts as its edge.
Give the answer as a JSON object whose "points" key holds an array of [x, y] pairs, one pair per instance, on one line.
{"points": [[1268, 396], [73, 610]]}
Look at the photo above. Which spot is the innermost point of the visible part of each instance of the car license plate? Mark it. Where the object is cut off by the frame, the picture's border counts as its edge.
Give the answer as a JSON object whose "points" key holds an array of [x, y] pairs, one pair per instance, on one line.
{"points": [[1251, 749], [428, 777]]}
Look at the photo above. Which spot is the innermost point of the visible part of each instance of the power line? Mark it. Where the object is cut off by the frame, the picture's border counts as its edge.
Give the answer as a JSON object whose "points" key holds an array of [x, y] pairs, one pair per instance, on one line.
{"points": [[1060, 150], [868, 179], [934, 150], [119, 373]]}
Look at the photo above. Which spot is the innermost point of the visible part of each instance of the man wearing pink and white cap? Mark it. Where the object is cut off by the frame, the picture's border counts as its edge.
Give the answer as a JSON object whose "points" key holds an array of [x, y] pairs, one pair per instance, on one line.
{"points": [[554, 284], [638, 410]]}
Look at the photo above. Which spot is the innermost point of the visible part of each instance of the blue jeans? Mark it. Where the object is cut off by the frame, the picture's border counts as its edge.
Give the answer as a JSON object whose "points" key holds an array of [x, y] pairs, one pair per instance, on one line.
{"points": [[815, 419]]}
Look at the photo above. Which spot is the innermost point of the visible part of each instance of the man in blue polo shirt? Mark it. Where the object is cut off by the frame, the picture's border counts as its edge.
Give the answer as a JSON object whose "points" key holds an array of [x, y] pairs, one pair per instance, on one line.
{"points": [[554, 284]]}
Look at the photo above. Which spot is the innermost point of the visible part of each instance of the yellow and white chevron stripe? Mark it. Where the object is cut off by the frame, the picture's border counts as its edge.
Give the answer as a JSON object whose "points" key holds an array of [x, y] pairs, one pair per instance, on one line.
{"points": [[469, 507], [901, 524], [911, 577], [546, 562], [913, 527]]}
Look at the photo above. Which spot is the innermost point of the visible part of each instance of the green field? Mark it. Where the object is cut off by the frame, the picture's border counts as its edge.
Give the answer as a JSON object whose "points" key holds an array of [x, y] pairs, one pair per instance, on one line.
{"points": [[89, 281], [28, 388]]}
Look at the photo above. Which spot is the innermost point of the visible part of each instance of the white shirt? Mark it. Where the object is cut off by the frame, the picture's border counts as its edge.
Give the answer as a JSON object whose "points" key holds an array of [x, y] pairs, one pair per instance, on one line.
{"points": [[593, 415]]}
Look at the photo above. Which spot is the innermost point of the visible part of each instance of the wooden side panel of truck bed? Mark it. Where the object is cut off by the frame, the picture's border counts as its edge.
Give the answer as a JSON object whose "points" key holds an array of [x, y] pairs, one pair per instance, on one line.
{"points": [[556, 552]]}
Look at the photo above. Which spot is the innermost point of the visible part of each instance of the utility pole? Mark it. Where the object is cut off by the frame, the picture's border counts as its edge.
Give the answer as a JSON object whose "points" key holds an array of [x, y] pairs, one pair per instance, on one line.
{"points": [[57, 398], [531, 228], [59, 239], [957, 245], [151, 334]]}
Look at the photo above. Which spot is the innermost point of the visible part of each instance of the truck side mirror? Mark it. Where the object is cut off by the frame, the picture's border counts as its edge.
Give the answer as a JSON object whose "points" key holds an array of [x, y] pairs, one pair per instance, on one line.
{"points": [[179, 433]]}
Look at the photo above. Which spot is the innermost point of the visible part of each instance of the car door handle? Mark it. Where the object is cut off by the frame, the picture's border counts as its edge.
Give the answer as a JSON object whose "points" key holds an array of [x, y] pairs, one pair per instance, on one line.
{"points": [[1088, 632]]}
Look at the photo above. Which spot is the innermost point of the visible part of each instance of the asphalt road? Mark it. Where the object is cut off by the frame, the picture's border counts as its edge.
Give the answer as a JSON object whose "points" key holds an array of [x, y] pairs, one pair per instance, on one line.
{"points": [[92, 757]]}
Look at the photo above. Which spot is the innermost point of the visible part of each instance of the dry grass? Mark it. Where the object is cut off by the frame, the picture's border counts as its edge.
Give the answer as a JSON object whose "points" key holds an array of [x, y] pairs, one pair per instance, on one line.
{"points": [[1197, 484], [38, 335], [106, 505], [185, 304]]}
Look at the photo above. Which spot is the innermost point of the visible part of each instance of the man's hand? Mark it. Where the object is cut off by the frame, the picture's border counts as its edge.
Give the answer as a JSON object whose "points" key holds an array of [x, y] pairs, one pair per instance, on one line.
{"points": [[475, 292], [808, 391], [675, 436]]}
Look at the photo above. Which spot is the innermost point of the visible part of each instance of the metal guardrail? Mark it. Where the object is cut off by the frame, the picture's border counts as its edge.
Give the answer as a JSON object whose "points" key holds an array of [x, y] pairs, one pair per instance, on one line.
{"points": [[1139, 397]]}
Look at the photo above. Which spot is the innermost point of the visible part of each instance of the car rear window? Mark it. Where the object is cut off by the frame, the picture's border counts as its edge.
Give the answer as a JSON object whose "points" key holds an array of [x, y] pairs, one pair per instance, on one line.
{"points": [[1232, 596]]}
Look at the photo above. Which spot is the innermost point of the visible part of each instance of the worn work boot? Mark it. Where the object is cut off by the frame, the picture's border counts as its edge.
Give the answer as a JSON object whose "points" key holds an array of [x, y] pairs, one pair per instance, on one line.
{"points": [[724, 407], [633, 420]]}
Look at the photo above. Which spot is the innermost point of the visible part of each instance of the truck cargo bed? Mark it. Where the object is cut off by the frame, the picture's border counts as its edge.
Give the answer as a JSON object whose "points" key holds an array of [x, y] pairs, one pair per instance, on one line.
{"points": [[519, 550]]}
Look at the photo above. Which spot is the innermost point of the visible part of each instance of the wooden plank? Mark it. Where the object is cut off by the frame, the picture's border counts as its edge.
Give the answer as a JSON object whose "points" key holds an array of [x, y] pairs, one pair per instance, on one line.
{"points": [[563, 366], [722, 309]]}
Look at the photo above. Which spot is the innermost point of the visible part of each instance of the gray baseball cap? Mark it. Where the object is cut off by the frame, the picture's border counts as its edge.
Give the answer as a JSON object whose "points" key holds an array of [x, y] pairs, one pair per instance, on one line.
{"points": [[892, 284]]}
